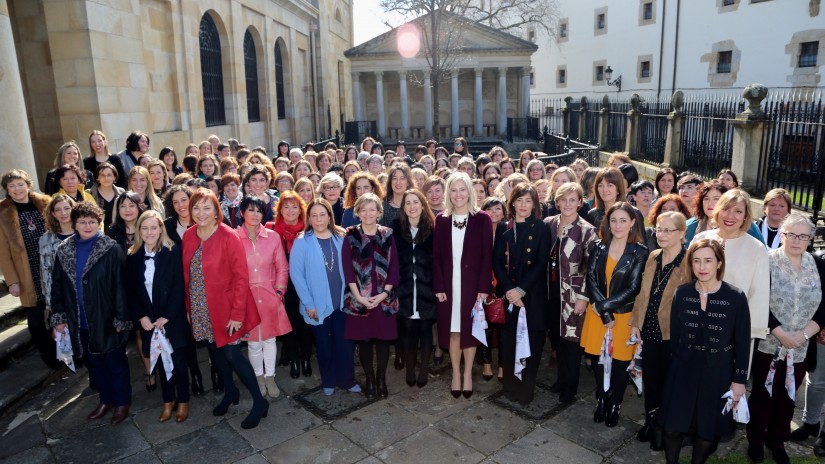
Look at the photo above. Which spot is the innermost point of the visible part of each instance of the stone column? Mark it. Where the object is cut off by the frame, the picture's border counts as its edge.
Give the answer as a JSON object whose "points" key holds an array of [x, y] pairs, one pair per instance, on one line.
{"points": [[502, 101], [379, 96], [478, 128], [454, 110], [604, 120], [583, 135], [674, 157], [428, 104], [747, 137], [356, 96], [631, 144], [405, 112], [14, 125], [525, 92], [565, 116]]}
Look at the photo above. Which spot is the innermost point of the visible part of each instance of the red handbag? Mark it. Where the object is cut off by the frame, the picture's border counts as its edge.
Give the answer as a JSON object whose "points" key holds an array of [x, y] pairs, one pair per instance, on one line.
{"points": [[494, 309]]}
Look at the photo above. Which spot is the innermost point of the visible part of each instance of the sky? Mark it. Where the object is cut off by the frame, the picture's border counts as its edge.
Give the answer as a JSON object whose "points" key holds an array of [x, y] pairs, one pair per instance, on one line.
{"points": [[369, 20]]}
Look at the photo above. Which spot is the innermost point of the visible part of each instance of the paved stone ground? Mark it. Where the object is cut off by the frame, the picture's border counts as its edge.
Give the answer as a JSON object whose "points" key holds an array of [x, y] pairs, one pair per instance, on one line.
{"points": [[412, 426]]}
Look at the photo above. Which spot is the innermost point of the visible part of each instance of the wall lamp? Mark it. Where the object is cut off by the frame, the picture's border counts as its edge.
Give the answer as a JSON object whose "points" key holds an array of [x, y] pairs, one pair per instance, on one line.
{"points": [[608, 73]]}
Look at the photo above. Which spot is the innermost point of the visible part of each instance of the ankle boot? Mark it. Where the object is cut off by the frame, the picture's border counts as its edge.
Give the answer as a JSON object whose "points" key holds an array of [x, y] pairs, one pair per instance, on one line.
{"points": [[271, 387], [381, 384], [601, 410], [643, 434], [409, 360], [424, 369], [197, 384], [819, 445], [369, 387], [261, 384], [807, 430], [612, 417], [306, 367], [294, 369], [259, 409], [166, 414], [183, 412], [217, 381]]}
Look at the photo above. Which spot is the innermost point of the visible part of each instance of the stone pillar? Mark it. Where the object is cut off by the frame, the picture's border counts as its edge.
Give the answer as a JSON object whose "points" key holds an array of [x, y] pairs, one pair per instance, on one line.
{"points": [[502, 101], [356, 96], [428, 104], [565, 116], [525, 92], [747, 137], [674, 157], [604, 120], [454, 110], [379, 96], [405, 112], [478, 104], [583, 135], [631, 144], [14, 125]]}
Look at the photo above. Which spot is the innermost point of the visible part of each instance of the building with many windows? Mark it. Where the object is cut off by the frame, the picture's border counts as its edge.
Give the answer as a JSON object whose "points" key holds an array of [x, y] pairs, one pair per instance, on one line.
{"points": [[657, 46], [257, 70]]}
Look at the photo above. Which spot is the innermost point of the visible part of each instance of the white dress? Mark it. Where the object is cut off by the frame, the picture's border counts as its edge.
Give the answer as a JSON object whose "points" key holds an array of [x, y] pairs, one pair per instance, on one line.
{"points": [[458, 250]]}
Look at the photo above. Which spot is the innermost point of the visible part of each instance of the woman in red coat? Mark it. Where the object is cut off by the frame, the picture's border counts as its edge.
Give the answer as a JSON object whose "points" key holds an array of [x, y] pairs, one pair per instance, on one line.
{"points": [[462, 266], [217, 289]]}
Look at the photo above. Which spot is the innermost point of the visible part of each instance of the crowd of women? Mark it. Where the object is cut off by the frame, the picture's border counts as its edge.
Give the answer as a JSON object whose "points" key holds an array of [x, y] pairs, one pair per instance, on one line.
{"points": [[327, 249]]}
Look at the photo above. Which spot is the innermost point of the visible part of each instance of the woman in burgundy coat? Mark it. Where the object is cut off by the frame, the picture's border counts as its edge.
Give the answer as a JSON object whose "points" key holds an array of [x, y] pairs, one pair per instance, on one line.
{"points": [[462, 266], [217, 289]]}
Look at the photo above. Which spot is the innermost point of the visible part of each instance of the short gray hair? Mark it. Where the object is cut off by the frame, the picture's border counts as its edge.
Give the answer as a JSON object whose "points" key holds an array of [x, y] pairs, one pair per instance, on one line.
{"points": [[797, 218], [331, 177]]}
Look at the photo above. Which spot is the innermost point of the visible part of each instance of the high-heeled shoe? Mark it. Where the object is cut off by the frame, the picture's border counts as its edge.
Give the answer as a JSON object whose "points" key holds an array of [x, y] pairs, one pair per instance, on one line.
{"points": [[150, 387], [381, 385], [166, 414], [487, 377], [217, 381], [612, 417], [600, 412], [467, 393], [197, 385], [294, 369], [423, 378], [399, 362], [410, 378], [369, 386], [306, 368], [455, 393], [254, 418], [223, 407]]}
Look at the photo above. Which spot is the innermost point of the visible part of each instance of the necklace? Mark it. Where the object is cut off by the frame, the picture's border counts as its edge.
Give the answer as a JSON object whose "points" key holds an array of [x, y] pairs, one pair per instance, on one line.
{"points": [[327, 264], [705, 294], [460, 224], [31, 226]]}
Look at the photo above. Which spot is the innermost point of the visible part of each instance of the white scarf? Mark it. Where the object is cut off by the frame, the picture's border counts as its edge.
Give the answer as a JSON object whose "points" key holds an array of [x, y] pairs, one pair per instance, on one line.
{"points": [[776, 243]]}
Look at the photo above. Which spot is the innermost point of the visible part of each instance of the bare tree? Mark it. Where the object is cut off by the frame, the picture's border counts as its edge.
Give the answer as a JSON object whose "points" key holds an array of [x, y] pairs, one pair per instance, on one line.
{"points": [[442, 24]]}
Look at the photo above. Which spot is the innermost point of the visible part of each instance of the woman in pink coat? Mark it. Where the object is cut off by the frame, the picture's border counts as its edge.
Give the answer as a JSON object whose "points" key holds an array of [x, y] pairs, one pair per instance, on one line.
{"points": [[268, 274]]}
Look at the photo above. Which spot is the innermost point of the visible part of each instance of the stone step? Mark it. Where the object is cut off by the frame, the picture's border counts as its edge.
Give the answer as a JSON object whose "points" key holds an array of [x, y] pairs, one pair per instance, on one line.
{"points": [[11, 311], [14, 341], [24, 376]]}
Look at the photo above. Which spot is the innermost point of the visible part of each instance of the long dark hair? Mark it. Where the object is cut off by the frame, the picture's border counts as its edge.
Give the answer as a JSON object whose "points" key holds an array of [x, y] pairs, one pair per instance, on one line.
{"points": [[134, 198], [425, 223], [633, 236]]}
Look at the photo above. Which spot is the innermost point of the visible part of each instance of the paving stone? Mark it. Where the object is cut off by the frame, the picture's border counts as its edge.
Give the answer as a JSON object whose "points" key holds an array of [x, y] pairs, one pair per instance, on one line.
{"points": [[634, 452], [434, 401], [576, 424], [370, 460], [542, 445], [59, 388], [429, 445], [286, 419], [321, 445], [200, 416], [71, 419], [218, 443], [256, 458], [22, 376], [329, 408], [144, 457], [485, 427], [369, 426], [545, 404], [103, 444], [39, 455], [20, 432]]}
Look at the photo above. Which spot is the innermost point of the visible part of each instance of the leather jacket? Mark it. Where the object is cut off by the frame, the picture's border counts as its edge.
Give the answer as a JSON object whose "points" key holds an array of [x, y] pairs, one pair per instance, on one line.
{"points": [[625, 283]]}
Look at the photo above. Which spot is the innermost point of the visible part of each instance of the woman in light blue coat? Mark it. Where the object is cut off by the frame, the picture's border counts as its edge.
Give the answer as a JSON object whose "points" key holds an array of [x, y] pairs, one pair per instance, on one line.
{"points": [[316, 271]]}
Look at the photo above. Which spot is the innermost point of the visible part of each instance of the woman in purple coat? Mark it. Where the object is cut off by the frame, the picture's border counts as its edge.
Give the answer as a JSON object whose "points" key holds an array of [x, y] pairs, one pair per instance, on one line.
{"points": [[462, 265]]}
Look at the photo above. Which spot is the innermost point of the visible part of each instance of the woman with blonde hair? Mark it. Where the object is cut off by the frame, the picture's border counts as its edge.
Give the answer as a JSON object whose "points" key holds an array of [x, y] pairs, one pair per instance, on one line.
{"points": [[359, 184], [778, 205], [159, 304], [462, 267], [99, 153], [303, 187], [140, 182]]}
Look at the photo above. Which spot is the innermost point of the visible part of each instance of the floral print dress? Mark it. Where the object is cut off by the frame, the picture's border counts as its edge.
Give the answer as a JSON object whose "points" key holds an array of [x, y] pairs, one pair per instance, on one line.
{"points": [[199, 310]]}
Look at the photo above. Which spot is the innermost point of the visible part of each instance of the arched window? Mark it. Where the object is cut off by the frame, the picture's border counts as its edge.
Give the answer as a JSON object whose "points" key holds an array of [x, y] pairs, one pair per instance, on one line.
{"points": [[279, 82], [250, 59], [211, 72]]}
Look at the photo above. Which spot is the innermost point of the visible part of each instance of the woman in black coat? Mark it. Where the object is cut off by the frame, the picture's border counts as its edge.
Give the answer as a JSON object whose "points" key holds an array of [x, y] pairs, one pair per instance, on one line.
{"points": [[520, 260], [159, 303], [413, 232]]}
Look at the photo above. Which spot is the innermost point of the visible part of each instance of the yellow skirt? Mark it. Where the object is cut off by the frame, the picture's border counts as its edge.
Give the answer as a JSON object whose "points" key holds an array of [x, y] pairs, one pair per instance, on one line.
{"points": [[593, 332]]}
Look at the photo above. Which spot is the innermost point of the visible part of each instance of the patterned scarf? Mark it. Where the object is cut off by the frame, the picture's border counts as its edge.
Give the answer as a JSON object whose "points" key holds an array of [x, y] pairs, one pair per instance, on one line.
{"points": [[370, 253]]}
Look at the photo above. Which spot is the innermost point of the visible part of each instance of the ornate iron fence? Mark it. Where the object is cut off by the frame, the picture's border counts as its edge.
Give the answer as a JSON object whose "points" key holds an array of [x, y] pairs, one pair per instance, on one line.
{"points": [[652, 130], [573, 115], [523, 130], [356, 131], [617, 125], [793, 148], [564, 150], [548, 112], [707, 142]]}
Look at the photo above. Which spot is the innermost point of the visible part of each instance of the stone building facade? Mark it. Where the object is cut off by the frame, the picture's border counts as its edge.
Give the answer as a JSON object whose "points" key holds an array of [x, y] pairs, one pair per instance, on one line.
{"points": [[276, 71]]}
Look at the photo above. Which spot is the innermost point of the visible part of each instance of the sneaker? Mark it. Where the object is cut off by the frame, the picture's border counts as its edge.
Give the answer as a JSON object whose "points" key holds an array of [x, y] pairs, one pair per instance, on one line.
{"points": [[355, 389], [328, 391]]}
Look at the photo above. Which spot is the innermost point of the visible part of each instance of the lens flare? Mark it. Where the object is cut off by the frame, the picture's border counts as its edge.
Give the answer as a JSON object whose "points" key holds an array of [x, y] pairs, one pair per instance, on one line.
{"points": [[409, 40]]}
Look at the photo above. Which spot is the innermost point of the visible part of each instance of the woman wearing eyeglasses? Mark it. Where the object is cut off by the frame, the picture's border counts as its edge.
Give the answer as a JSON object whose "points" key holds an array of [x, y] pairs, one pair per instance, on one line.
{"points": [[665, 270], [796, 314]]}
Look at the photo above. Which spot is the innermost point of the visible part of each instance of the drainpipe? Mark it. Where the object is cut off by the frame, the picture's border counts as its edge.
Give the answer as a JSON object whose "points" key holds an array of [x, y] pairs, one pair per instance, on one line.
{"points": [[313, 28], [676, 45], [661, 50]]}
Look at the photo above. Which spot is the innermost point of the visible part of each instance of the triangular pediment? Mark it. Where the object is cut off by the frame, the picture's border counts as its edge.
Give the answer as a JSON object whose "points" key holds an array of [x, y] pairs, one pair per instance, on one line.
{"points": [[476, 38]]}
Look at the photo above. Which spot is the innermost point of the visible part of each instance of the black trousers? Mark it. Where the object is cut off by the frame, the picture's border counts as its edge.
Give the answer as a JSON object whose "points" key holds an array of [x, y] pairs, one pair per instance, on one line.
{"points": [[229, 358], [524, 389], [569, 355], [618, 379], [655, 363], [176, 388], [298, 343], [41, 335]]}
